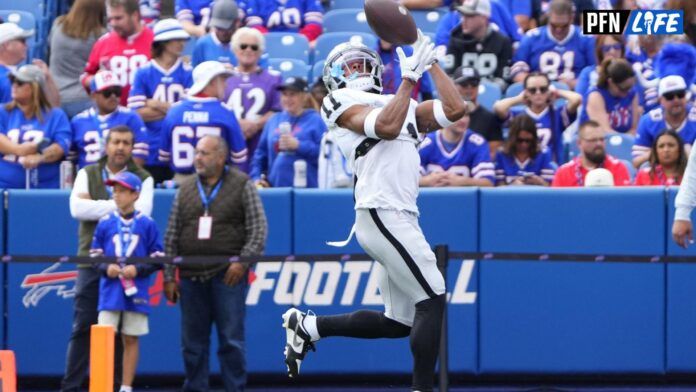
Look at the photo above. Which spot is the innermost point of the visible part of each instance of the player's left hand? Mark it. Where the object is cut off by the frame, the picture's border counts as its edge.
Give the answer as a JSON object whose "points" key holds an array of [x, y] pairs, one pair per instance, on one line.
{"points": [[235, 273], [288, 142], [31, 161], [129, 271]]}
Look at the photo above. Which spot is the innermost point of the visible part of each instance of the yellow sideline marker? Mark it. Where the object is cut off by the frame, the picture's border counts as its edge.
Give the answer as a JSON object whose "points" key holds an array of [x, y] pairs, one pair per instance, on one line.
{"points": [[8, 374], [101, 359]]}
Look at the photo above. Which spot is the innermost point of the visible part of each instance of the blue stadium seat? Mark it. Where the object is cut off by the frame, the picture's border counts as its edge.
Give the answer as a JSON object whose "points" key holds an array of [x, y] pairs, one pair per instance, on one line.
{"points": [[619, 145], [26, 21], [317, 70], [289, 67], [326, 42], [38, 8], [631, 170], [488, 94], [352, 20], [427, 20], [343, 4], [287, 46]]}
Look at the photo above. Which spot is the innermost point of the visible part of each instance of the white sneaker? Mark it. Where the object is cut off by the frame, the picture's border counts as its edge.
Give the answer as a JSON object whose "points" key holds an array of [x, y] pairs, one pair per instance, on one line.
{"points": [[298, 341]]}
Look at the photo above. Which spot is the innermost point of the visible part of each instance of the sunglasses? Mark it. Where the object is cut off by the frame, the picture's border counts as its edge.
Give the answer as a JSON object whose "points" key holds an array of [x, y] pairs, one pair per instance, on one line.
{"points": [[248, 46], [535, 90], [469, 83], [525, 141], [672, 95], [111, 91], [623, 89], [606, 48]]}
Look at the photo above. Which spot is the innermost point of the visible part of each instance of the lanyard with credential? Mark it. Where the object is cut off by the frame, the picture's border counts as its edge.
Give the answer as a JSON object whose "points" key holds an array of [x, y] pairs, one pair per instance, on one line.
{"points": [[105, 177], [207, 200], [122, 230]]}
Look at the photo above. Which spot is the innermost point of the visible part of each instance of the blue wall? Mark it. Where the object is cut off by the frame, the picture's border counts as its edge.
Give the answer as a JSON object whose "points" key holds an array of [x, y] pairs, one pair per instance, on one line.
{"points": [[504, 316]]}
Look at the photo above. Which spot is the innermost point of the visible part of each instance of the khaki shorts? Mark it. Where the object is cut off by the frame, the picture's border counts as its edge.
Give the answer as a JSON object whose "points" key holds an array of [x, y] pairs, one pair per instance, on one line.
{"points": [[132, 323]]}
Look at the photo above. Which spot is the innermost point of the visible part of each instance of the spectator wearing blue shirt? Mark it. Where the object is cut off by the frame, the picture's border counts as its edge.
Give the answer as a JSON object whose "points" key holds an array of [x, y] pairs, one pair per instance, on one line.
{"points": [[291, 135], [215, 46], [34, 136], [522, 161], [13, 50], [613, 103], [456, 156]]}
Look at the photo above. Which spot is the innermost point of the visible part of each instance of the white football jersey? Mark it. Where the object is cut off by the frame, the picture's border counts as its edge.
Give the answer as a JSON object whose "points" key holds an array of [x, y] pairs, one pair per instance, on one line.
{"points": [[387, 176]]}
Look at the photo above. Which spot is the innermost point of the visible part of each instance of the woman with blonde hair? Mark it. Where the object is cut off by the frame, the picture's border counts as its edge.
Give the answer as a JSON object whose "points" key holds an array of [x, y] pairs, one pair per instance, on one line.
{"points": [[71, 40], [34, 136]]}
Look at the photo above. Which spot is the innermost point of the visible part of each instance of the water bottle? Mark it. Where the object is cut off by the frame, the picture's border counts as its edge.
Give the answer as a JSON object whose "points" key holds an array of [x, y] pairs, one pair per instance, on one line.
{"points": [[284, 128], [300, 178], [66, 175]]}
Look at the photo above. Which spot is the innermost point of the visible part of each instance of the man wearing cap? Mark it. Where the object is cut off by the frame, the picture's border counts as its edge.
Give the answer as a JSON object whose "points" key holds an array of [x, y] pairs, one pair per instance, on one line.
{"points": [[158, 85], [13, 50], [201, 113], [123, 50], [216, 44], [476, 44], [217, 212], [482, 120], [91, 127], [559, 49], [675, 113], [90, 200], [592, 156]]}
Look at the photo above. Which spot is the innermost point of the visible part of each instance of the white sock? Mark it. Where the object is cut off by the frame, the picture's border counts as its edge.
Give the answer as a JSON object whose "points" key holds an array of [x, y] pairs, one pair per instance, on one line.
{"points": [[126, 388], [309, 323]]}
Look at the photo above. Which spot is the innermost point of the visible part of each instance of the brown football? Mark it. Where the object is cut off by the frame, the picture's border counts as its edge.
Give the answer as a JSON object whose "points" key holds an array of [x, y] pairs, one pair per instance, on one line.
{"points": [[391, 21]]}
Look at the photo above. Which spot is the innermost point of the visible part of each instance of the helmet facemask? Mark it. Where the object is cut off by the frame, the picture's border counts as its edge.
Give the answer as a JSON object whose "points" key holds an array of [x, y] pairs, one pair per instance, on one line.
{"points": [[354, 67]]}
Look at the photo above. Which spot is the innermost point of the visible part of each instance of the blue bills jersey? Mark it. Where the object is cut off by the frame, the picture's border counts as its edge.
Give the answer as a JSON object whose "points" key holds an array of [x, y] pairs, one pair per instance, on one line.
{"points": [[196, 11], [89, 131], [55, 128], [540, 51], [190, 120], [5, 85], [508, 168], [140, 238], [653, 123], [284, 15], [620, 109], [153, 82], [209, 48], [550, 125], [471, 157]]}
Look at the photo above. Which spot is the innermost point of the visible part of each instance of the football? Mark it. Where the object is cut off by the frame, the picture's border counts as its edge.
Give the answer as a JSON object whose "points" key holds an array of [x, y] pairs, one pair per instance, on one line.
{"points": [[391, 21]]}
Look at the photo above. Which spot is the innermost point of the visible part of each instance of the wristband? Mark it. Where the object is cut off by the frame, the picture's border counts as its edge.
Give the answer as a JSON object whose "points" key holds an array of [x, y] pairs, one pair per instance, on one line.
{"points": [[370, 122]]}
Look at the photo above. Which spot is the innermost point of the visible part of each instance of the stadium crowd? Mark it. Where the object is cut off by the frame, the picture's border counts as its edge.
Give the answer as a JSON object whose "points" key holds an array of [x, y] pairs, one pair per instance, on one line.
{"points": [[132, 100]]}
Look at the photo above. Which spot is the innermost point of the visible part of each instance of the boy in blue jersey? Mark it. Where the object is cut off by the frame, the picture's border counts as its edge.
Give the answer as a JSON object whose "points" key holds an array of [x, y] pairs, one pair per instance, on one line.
{"points": [[91, 127], [674, 113], [558, 50], [456, 156], [159, 84], [215, 45], [123, 290], [194, 15], [291, 16], [201, 113]]}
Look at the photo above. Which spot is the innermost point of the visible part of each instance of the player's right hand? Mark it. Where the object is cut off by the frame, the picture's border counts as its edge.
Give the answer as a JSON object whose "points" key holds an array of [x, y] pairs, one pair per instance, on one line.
{"points": [[683, 233], [113, 270], [171, 291]]}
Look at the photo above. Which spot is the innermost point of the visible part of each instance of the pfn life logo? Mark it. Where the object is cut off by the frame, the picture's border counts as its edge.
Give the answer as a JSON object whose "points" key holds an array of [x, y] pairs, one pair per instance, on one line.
{"points": [[642, 22]]}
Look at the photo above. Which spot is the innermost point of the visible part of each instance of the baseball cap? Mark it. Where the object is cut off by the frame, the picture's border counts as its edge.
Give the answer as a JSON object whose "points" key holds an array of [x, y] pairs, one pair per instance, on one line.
{"points": [[204, 73], [29, 73], [10, 31], [169, 29], [671, 83], [127, 180], [475, 7], [599, 177], [295, 84], [103, 80], [466, 74], [224, 14]]}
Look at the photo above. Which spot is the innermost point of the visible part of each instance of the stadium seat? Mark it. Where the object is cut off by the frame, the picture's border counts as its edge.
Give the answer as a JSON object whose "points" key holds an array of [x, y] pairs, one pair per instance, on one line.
{"points": [[352, 20], [38, 8], [289, 67], [427, 20], [488, 94], [26, 21], [343, 4], [619, 145], [326, 42], [287, 46], [631, 170], [317, 70]]}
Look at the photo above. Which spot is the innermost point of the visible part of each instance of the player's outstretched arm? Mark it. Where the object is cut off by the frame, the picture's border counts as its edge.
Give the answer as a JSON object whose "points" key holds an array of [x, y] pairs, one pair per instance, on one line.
{"points": [[433, 115]]}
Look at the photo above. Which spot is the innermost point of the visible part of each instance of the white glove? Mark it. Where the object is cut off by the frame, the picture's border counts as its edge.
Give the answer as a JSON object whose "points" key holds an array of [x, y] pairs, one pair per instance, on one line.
{"points": [[421, 60]]}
